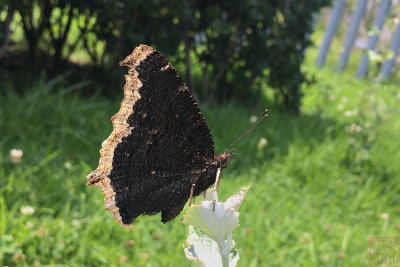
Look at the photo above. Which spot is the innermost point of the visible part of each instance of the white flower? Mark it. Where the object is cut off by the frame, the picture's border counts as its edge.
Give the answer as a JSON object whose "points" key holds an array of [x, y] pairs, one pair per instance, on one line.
{"points": [[205, 251], [27, 210], [349, 113], [385, 216], [209, 221], [262, 143], [354, 128], [76, 223], [67, 165], [253, 119], [236, 200], [216, 223], [16, 155], [209, 194], [374, 56]]}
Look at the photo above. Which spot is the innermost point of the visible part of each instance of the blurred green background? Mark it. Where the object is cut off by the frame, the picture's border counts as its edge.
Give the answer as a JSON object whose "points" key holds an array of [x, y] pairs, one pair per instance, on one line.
{"points": [[324, 167]]}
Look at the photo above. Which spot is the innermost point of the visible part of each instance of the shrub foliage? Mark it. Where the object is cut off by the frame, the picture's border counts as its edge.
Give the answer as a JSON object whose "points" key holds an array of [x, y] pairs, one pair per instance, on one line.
{"points": [[229, 49]]}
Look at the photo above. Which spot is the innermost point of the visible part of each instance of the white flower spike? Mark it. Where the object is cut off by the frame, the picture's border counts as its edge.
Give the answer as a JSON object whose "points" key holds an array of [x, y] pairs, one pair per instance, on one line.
{"points": [[16, 155], [216, 227]]}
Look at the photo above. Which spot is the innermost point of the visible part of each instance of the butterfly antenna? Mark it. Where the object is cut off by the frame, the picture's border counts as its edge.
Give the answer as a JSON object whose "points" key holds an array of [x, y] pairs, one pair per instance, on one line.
{"points": [[259, 120]]}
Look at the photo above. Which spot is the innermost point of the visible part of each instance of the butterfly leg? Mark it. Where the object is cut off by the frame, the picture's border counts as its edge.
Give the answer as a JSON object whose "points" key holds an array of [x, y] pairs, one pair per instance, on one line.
{"points": [[191, 194], [216, 187]]}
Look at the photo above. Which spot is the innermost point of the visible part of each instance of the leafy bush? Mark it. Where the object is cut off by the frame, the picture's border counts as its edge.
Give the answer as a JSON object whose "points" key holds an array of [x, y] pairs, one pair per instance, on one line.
{"points": [[235, 47]]}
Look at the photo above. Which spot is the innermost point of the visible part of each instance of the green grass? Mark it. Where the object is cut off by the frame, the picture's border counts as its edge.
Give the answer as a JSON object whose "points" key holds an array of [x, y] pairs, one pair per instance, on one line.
{"points": [[319, 187]]}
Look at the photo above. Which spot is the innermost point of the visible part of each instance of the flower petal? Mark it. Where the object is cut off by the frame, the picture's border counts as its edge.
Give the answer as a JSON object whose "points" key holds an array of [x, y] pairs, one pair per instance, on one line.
{"points": [[201, 249], [234, 201], [217, 224]]}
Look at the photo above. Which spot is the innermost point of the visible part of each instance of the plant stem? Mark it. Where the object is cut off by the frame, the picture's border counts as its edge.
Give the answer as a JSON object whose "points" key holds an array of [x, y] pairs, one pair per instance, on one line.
{"points": [[224, 250]]}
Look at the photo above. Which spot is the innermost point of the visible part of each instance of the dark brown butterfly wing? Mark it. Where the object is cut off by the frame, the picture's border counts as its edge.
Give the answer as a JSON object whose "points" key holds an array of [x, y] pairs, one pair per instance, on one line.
{"points": [[160, 144]]}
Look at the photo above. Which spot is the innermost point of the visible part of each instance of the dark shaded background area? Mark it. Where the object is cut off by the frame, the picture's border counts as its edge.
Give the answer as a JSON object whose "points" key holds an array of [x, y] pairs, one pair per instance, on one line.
{"points": [[223, 50]]}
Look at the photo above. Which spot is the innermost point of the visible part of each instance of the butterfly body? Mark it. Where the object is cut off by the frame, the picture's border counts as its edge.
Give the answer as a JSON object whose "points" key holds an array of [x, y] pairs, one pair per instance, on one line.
{"points": [[160, 144]]}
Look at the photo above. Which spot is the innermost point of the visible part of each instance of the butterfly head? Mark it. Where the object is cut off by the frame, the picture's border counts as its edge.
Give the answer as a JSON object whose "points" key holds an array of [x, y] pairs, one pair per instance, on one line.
{"points": [[223, 159]]}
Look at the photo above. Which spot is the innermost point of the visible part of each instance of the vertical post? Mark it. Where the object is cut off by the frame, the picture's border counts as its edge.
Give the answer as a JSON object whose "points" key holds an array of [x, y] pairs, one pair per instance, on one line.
{"points": [[352, 33], [373, 38], [330, 31], [394, 48]]}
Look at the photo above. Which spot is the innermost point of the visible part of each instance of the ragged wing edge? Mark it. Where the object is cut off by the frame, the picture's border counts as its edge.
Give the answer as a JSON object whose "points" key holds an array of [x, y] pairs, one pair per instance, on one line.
{"points": [[121, 128]]}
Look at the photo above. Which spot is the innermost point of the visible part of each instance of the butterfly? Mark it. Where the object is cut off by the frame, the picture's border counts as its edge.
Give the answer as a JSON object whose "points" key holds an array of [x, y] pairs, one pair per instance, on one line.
{"points": [[161, 151]]}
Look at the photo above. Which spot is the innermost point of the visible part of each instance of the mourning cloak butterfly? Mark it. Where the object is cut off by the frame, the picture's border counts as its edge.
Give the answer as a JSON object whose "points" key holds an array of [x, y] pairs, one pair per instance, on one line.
{"points": [[160, 144]]}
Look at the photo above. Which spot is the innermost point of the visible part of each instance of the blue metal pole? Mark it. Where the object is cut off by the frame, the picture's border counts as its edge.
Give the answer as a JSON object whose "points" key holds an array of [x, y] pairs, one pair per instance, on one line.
{"points": [[330, 31], [352, 33], [394, 47], [373, 38]]}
